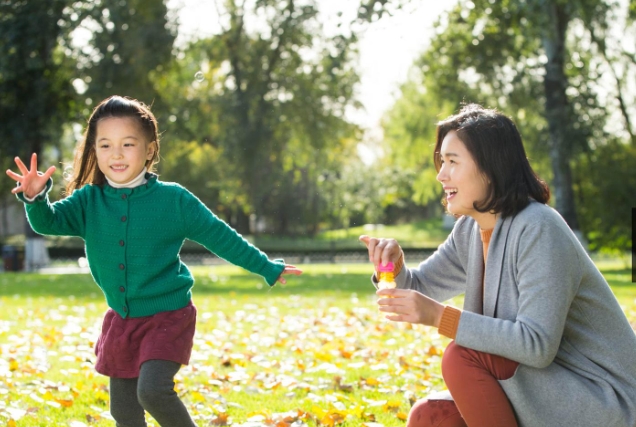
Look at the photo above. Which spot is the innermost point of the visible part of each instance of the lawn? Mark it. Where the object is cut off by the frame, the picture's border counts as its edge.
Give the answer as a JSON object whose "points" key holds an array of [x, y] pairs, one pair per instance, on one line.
{"points": [[315, 351]]}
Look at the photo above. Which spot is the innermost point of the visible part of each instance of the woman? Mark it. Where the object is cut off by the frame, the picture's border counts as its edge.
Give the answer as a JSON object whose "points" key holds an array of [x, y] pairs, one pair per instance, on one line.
{"points": [[541, 340]]}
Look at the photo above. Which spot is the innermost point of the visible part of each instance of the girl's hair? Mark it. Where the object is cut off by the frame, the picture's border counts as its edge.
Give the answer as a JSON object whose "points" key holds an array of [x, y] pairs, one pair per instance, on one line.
{"points": [[496, 147], [85, 170]]}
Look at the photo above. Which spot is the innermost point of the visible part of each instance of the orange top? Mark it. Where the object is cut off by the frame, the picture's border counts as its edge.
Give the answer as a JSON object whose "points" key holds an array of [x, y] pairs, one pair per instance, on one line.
{"points": [[450, 317]]}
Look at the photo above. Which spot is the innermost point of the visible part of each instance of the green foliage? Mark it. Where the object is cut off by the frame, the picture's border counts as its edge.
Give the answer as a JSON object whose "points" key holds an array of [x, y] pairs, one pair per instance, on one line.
{"points": [[496, 53], [189, 164], [36, 94], [129, 40], [271, 100], [410, 135], [605, 186]]}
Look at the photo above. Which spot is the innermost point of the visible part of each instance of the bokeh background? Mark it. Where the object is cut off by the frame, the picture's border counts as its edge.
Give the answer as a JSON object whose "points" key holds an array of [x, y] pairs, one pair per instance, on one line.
{"points": [[304, 121]]}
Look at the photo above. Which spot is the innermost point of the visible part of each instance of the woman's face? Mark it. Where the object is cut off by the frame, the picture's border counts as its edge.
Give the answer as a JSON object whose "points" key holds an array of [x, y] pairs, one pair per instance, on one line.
{"points": [[463, 182]]}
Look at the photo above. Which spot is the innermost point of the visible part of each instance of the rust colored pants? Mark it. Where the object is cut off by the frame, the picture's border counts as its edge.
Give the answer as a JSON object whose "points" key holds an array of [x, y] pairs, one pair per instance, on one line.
{"points": [[479, 401]]}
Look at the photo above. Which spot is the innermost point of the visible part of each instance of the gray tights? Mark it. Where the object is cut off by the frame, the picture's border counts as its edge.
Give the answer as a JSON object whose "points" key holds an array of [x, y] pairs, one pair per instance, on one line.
{"points": [[154, 392]]}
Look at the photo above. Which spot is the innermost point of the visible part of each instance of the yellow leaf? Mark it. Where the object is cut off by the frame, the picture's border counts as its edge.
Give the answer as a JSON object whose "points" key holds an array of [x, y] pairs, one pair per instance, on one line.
{"points": [[67, 403], [371, 381], [392, 405], [11, 423], [197, 397], [402, 416], [220, 420]]}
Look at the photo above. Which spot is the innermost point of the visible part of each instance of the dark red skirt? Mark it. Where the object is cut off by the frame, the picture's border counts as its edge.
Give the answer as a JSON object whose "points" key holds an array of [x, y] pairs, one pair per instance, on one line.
{"points": [[125, 344]]}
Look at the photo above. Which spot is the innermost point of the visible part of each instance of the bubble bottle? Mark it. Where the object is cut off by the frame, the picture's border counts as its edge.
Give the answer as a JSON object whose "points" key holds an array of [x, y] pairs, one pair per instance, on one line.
{"points": [[387, 281]]}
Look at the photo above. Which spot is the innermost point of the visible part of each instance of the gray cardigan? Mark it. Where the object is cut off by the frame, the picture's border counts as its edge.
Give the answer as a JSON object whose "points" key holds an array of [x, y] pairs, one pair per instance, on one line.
{"points": [[546, 306]]}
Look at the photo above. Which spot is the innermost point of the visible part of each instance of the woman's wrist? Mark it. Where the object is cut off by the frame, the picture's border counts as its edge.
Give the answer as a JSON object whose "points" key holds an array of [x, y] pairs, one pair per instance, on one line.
{"points": [[449, 321]]}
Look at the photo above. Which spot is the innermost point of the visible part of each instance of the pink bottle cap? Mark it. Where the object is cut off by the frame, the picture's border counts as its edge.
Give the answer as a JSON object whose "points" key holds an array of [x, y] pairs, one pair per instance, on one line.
{"points": [[386, 267]]}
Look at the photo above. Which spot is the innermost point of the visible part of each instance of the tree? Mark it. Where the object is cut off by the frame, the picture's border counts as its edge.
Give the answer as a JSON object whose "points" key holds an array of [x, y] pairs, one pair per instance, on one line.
{"points": [[514, 54], [128, 40], [37, 95], [271, 97], [605, 184]]}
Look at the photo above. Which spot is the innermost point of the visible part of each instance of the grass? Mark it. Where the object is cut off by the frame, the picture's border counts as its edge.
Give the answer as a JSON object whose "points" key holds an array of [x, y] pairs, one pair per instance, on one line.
{"points": [[314, 351]]}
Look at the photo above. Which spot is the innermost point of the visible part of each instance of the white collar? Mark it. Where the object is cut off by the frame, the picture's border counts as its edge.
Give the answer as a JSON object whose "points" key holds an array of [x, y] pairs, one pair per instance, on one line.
{"points": [[135, 182]]}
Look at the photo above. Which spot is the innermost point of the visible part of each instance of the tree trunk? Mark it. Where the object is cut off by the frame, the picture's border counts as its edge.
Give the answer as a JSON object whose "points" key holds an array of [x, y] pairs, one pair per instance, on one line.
{"points": [[557, 111]]}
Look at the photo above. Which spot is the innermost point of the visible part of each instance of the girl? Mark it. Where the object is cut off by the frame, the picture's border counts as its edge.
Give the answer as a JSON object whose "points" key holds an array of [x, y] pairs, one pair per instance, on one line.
{"points": [[541, 340], [133, 226]]}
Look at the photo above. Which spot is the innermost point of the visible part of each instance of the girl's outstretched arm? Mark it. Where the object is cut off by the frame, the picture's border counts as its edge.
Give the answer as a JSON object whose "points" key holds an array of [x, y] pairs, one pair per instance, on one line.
{"points": [[289, 269], [31, 182]]}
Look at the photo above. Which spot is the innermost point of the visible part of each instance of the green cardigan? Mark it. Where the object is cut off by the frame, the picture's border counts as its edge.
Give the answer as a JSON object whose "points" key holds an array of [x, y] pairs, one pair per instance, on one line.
{"points": [[133, 237]]}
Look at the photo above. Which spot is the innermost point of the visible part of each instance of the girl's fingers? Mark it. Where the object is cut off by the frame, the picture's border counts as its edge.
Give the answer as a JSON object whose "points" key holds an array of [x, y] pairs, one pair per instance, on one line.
{"points": [[34, 162], [21, 166], [294, 271], [14, 176], [48, 173]]}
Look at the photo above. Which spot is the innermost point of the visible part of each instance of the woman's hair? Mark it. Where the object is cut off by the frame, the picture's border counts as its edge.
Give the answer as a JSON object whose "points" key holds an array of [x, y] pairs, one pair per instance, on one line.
{"points": [[85, 169], [496, 147]]}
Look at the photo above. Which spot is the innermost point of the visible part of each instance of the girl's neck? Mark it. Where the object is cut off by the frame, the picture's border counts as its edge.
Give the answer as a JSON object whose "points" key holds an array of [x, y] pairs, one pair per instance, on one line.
{"points": [[135, 182]]}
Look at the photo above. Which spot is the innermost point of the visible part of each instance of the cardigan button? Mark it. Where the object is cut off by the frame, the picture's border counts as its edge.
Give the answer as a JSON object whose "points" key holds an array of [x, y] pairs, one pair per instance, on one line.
{"points": [[124, 309], [122, 289], [123, 218], [123, 196], [122, 266], [121, 243]]}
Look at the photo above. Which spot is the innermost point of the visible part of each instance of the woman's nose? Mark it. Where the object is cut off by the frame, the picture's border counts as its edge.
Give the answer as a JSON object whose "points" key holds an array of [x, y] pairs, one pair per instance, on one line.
{"points": [[441, 175]]}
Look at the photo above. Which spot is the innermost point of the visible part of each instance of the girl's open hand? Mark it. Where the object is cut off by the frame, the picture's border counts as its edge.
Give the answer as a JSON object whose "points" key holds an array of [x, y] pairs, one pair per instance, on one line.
{"points": [[31, 182], [289, 269]]}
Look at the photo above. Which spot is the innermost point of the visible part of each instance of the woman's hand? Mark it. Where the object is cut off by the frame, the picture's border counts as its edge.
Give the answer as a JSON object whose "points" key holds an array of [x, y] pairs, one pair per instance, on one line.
{"points": [[382, 251], [407, 305], [31, 182], [289, 269]]}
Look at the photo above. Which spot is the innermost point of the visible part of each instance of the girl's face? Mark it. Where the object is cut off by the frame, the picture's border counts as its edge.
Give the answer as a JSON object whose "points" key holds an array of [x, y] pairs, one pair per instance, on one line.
{"points": [[462, 180], [122, 148]]}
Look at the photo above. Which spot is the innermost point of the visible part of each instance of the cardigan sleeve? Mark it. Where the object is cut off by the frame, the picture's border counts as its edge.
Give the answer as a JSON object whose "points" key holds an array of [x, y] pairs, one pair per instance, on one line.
{"points": [[442, 275], [205, 228], [62, 218], [547, 272]]}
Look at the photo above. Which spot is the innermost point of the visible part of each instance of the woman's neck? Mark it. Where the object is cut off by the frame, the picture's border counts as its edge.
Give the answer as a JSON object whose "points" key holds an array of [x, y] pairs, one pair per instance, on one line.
{"points": [[135, 182], [486, 220]]}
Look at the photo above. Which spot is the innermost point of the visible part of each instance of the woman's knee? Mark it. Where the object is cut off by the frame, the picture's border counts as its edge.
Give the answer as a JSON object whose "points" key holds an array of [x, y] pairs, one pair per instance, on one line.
{"points": [[434, 413], [451, 361]]}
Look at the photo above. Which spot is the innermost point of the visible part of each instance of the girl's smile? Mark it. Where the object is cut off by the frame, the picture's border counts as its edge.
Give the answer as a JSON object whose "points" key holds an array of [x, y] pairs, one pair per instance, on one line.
{"points": [[122, 148]]}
